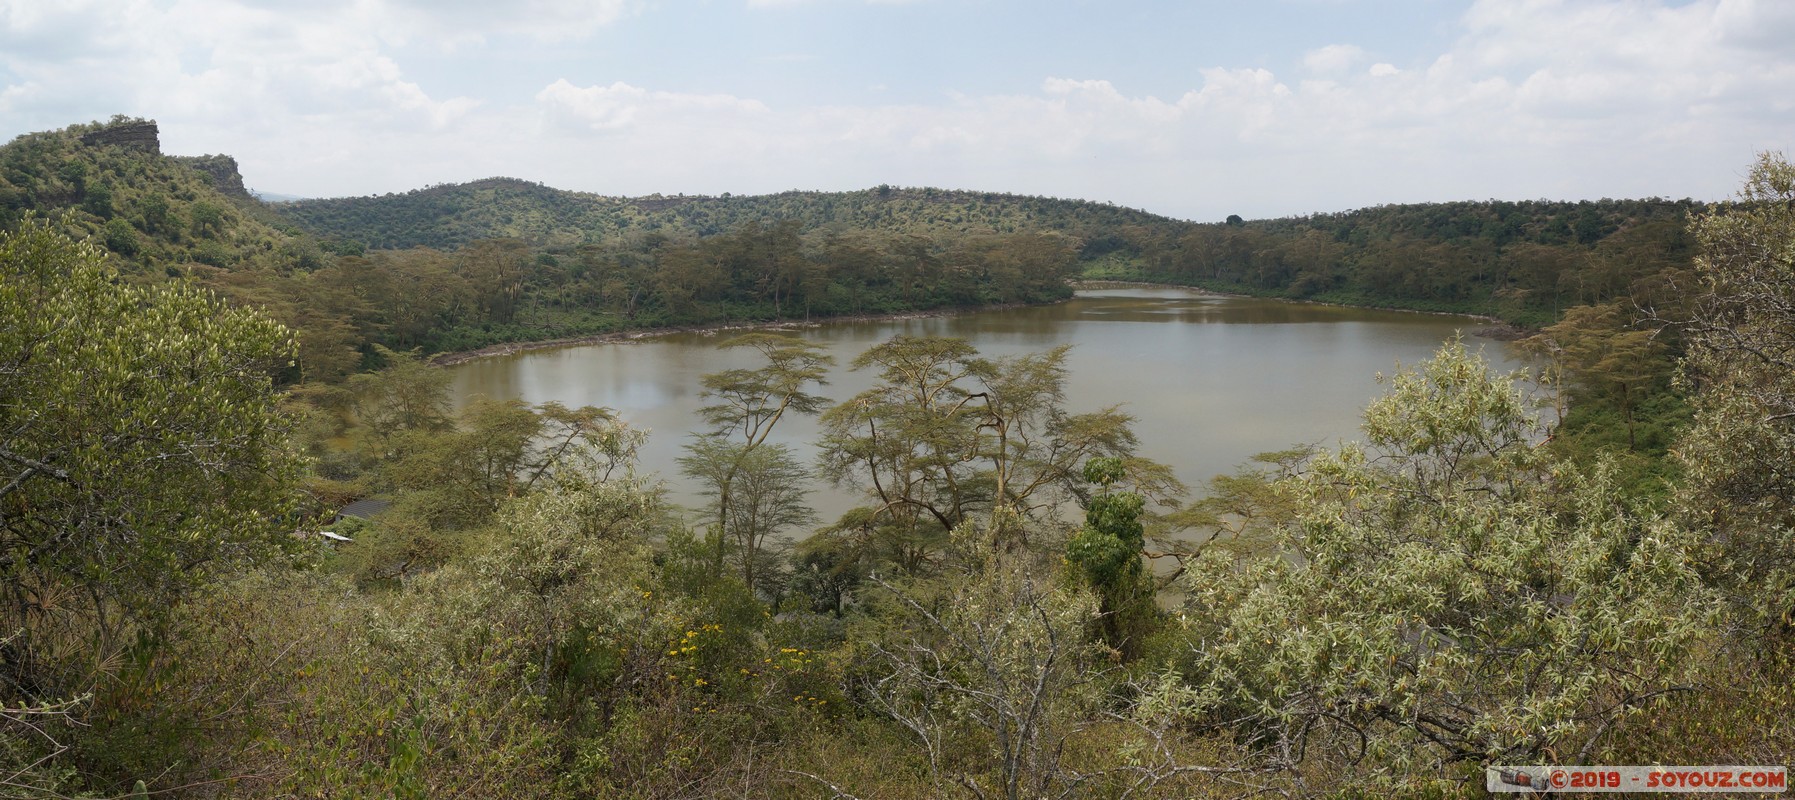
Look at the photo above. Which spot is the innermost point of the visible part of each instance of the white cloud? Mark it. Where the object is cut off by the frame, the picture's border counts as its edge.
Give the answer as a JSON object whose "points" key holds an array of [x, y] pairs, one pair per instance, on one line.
{"points": [[620, 105], [453, 23], [1558, 98], [219, 75], [1333, 58]]}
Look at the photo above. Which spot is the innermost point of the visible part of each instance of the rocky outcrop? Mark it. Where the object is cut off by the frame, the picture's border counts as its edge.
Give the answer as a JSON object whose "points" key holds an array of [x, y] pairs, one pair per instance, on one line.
{"points": [[140, 135], [223, 171]]}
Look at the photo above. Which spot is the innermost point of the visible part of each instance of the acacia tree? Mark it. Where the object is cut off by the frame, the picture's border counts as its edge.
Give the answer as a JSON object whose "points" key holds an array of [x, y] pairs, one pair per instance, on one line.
{"points": [[1452, 595], [1604, 359], [405, 396], [449, 474], [765, 484], [755, 486], [141, 449], [498, 450], [948, 437], [494, 271]]}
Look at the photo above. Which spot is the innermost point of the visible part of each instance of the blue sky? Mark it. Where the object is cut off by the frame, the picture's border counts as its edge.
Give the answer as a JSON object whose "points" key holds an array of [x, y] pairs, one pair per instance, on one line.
{"points": [[1191, 109]]}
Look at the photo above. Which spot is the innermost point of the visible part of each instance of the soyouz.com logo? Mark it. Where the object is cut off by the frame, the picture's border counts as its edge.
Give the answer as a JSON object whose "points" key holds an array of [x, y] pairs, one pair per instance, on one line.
{"points": [[1636, 779]]}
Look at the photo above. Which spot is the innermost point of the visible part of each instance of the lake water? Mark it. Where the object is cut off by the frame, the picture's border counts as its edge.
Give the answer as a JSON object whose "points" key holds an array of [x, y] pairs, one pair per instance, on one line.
{"points": [[1211, 380]]}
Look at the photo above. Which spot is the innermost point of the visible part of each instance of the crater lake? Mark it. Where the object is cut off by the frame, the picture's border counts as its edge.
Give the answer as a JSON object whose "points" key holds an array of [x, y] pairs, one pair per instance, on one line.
{"points": [[1211, 380]]}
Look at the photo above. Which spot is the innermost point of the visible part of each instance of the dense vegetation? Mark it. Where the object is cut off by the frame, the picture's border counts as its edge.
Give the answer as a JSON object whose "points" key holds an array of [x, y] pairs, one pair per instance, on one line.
{"points": [[455, 214], [164, 218], [1586, 269], [461, 266], [530, 618], [1523, 261], [158, 215]]}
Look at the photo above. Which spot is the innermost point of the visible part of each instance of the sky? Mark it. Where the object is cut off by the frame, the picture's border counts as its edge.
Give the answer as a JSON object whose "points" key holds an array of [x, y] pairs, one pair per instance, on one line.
{"points": [[1192, 109]]}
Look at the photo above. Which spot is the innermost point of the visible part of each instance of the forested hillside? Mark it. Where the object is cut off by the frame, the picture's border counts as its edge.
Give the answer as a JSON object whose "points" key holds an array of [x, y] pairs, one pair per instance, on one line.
{"points": [[1523, 261], [187, 219], [508, 260], [454, 268], [110, 183], [451, 215]]}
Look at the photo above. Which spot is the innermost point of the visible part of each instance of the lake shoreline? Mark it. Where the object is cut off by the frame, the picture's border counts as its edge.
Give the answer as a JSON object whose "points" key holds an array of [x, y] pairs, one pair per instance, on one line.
{"points": [[1211, 381], [638, 334], [1496, 329]]}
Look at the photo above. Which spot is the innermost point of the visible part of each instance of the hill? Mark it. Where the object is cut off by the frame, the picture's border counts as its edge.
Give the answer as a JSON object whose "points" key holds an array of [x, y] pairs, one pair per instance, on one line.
{"points": [[451, 215], [110, 183], [1525, 262], [459, 266]]}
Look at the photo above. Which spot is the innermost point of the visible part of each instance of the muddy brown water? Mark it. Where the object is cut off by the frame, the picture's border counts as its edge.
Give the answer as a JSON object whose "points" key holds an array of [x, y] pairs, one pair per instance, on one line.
{"points": [[1211, 380]]}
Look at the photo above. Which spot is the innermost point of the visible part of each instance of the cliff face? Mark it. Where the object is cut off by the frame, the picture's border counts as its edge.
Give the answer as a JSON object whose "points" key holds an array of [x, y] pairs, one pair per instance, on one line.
{"points": [[141, 136], [223, 171]]}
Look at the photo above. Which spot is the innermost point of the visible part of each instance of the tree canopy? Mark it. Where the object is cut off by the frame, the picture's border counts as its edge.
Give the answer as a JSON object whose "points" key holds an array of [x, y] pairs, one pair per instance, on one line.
{"points": [[141, 447]]}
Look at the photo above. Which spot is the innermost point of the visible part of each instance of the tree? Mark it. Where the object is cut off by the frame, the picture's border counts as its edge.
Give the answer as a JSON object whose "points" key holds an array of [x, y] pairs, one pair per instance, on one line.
{"points": [[1604, 359], [1107, 550], [141, 446], [448, 474], [207, 219], [765, 486], [155, 213], [992, 679], [750, 404], [494, 271], [406, 395], [947, 436], [1739, 454], [411, 294], [120, 237], [1453, 596]]}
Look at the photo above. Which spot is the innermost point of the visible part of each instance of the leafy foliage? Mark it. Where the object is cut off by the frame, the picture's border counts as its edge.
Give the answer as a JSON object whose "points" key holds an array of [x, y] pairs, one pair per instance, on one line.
{"points": [[948, 438], [142, 455], [156, 213], [456, 214], [1108, 551], [1455, 595], [1525, 262], [1741, 364]]}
